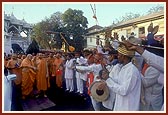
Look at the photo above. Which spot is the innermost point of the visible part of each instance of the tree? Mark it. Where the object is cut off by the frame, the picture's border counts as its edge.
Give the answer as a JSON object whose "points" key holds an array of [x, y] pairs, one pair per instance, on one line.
{"points": [[75, 23], [54, 23], [39, 34], [57, 41], [33, 48], [126, 17], [71, 22], [155, 9]]}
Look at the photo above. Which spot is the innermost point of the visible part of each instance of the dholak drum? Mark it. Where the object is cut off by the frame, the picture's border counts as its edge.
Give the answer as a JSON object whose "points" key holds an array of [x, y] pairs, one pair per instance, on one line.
{"points": [[99, 95]]}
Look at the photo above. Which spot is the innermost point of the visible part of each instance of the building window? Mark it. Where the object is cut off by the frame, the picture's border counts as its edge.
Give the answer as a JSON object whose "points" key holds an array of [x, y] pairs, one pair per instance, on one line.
{"points": [[142, 32], [128, 32], [161, 28], [90, 39]]}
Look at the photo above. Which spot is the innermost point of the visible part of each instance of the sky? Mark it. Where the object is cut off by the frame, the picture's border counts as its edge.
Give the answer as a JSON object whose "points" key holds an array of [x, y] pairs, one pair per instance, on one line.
{"points": [[106, 12]]}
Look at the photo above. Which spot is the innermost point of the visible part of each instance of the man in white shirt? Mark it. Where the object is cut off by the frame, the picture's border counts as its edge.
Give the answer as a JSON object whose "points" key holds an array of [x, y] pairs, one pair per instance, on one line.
{"points": [[151, 59], [127, 82], [96, 67]]}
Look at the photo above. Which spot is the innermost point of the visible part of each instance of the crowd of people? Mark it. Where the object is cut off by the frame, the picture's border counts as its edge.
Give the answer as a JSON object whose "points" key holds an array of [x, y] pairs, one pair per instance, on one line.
{"points": [[134, 76]]}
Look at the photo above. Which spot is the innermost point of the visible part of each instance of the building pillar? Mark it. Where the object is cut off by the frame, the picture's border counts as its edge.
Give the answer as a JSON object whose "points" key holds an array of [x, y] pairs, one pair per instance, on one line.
{"points": [[7, 43], [28, 36]]}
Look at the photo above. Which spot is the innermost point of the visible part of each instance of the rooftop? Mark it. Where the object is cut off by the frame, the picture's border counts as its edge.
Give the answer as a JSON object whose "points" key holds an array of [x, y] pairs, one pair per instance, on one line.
{"points": [[16, 21], [150, 17]]}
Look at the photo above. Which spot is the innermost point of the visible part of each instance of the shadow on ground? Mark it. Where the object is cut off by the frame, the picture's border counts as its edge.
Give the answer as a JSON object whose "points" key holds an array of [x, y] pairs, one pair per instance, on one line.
{"points": [[64, 101]]}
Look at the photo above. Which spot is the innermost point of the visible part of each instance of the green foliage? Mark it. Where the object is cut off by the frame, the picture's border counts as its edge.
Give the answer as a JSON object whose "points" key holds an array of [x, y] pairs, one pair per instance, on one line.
{"points": [[71, 22], [40, 35], [75, 23], [54, 23]]}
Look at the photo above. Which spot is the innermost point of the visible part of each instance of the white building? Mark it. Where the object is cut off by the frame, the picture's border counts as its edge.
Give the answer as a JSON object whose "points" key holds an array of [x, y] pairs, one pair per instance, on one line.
{"points": [[92, 35], [13, 33], [140, 25]]}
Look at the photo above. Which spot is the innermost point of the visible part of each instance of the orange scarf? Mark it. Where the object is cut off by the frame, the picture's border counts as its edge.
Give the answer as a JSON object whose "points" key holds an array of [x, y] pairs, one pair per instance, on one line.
{"points": [[144, 68]]}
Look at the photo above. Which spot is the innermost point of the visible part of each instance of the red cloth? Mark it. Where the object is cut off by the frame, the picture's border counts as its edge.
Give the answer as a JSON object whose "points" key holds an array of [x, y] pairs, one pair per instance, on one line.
{"points": [[144, 68], [58, 72], [90, 80]]}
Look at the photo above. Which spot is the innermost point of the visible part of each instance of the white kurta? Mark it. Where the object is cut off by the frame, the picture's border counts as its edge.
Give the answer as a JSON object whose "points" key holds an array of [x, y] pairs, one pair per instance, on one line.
{"points": [[127, 88], [156, 62], [109, 103], [68, 69], [7, 94], [99, 49], [95, 68], [69, 74], [115, 44], [80, 77], [82, 61], [152, 90]]}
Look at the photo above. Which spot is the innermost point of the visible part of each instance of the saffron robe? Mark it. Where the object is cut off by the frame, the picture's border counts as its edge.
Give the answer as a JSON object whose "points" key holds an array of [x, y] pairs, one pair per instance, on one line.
{"points": [[28, 77]]}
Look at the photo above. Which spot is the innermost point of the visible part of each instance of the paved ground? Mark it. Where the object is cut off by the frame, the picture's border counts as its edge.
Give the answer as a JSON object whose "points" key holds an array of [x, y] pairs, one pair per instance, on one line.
{"points": [[65, 101]]}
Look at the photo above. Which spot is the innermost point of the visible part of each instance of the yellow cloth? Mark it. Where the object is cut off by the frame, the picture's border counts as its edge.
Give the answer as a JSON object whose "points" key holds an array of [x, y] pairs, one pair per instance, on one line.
{"points": [[51, 66], [15, 70], [28, 77], [71, 48], [58, 66], [42, 75]]}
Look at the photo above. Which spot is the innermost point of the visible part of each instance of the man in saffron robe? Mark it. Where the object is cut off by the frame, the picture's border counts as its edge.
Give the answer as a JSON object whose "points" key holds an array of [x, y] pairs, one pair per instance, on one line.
{"points": [[13, 66], [58, 65], [28, 76], [51, 69], [42, 75]]}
